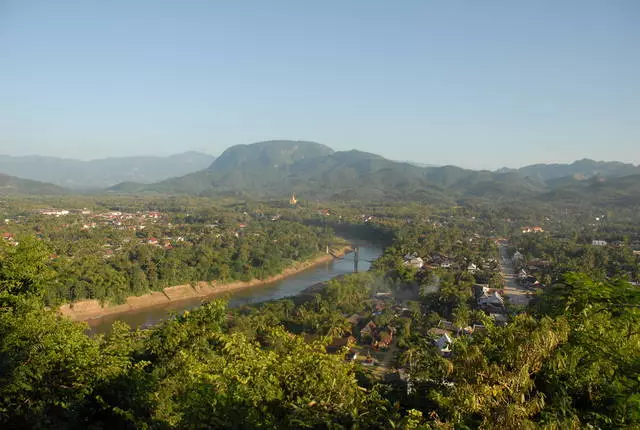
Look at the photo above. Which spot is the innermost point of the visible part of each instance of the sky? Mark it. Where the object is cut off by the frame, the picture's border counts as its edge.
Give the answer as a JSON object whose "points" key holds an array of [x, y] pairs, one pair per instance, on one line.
{"points": [[479, 84]]}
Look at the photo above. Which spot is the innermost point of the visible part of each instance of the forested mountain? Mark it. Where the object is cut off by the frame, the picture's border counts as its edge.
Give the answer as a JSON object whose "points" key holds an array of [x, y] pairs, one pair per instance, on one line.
{"points": [[581, 169], [621, 190], [102, 173], [278, 168], [13, 185], [314, 171], [269, 154]]}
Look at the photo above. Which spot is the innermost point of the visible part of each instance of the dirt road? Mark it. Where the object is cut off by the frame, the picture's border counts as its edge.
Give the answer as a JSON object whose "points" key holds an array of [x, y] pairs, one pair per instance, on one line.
{"points": [[517, 294]]}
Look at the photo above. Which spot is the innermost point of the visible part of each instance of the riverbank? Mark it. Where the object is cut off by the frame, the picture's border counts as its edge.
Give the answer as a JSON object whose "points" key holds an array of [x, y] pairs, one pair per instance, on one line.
{"points": [[85, 310]]}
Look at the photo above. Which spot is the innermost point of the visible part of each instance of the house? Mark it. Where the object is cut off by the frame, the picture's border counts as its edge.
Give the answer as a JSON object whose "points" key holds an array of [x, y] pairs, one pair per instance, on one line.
{"points": [[479, 328], [384, 338], [54, 212], [152, 241], [368, 330], [536, 229], [438, 258], [491, 299], [479, 290], [354, 319], [377, 337], [447, 325], [599, 242], [437, 331], [443, 343], [472, 267], [415, 262], [340, 342]]}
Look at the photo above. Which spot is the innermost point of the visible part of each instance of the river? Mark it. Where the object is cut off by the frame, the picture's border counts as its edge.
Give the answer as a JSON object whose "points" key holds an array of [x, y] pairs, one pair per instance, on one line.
{"points": [[291, 286]]}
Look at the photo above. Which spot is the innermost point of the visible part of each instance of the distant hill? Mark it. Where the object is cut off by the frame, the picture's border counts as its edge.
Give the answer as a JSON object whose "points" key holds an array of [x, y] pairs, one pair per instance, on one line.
{"points": [[623, 190], [277, 168], [102, 173], [13, 185], [581, 169], [315, 171], [276, 154]]}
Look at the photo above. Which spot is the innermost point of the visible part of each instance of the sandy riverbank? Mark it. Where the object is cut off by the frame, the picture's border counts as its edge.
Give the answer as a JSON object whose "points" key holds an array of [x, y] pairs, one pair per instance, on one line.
{"points": [[84, 310]]}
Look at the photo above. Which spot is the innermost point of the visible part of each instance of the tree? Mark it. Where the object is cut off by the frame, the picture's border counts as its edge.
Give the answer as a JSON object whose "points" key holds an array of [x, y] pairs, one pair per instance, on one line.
{"points": [[23, 269]]}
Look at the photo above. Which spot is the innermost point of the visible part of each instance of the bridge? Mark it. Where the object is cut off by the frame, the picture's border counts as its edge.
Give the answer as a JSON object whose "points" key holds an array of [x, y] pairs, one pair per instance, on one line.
{"points": [[356, 256]]}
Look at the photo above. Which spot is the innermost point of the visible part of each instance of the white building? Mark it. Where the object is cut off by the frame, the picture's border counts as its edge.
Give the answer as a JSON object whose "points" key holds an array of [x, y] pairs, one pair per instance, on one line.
{"points": [[54, 212]]}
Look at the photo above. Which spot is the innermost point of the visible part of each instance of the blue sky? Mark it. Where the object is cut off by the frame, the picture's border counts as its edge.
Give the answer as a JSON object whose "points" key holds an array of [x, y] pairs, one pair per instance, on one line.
{"points": [[478, 84]]}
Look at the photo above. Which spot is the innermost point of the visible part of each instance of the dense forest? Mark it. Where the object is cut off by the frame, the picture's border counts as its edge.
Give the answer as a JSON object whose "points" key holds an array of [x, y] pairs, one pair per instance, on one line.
{"points": [[111, 254], [406, 345]]}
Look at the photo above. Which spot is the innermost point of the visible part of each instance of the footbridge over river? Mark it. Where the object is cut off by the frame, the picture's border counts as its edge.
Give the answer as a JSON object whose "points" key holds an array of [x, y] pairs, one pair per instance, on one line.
{"points": [[354, 255]]}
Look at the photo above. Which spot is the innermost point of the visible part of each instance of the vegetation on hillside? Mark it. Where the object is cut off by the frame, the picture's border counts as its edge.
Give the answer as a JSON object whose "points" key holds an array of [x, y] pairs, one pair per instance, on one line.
{"points": [[277, 168]]}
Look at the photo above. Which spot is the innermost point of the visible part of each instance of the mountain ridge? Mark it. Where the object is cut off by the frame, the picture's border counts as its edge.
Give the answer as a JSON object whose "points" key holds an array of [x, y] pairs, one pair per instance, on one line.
{"points": [[10, 185], [277, 168], [103, 172]]}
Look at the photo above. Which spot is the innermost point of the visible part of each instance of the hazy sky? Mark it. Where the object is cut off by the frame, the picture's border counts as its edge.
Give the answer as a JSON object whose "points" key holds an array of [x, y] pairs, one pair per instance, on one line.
{"points": [[474, 83]]}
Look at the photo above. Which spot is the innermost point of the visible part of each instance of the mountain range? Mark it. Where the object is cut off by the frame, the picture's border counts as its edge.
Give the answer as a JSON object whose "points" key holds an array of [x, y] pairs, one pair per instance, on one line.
{"points": [[103, 173], [313, 170], [275, 169]]}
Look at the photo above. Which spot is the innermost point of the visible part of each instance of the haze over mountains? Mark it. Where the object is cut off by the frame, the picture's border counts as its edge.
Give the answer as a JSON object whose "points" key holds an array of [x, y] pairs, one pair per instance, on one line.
{"points": [[103, 173], [315, 171]]}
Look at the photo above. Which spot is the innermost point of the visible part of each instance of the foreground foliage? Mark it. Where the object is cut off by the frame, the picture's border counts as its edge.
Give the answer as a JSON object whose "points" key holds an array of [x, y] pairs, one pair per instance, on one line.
{"points": [[570, 361]]}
